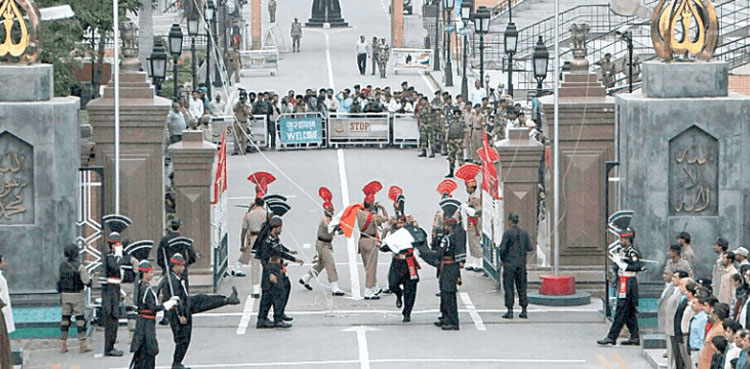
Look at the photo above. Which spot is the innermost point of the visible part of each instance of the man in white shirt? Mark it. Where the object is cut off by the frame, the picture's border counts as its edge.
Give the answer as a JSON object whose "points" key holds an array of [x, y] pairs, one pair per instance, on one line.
{"points": [[196, 106], [362, 48], [477, 94], [217, 106], [390, 103], [330, 102]]}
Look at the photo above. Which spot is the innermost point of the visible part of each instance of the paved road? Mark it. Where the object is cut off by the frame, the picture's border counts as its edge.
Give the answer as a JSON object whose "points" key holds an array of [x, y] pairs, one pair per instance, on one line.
{"points": [[325, 333]]}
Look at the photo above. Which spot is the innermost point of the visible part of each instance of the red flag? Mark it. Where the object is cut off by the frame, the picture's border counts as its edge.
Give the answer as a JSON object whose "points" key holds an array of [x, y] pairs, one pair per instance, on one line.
{"points": [[489, 156], [220, 181]]}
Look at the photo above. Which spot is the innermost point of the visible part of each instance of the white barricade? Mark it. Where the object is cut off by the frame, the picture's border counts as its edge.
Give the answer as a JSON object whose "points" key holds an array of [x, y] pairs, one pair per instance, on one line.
{"points": [[259, 60], [419, 60], [259, 129], [405, 130], [257, 126], [300, 131], [358, 128]]}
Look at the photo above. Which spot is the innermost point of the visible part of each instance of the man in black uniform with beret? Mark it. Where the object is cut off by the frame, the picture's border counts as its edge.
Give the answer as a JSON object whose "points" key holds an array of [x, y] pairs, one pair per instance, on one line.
{"points": [[165, 251], [513, 249]]}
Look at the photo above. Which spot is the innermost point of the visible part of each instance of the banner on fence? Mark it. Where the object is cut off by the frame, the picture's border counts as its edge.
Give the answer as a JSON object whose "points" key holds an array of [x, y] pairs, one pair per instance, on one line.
{"points": [[372, 127], [411, 59], [301, 130]]}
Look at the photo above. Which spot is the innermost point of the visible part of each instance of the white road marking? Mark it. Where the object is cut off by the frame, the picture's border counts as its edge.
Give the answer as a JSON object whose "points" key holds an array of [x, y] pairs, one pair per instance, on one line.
{"points": [[398, 312], [364, 351], [351, 250], [472, 311], [247, 312], [329, 63], [428, 83], [380, 361]]}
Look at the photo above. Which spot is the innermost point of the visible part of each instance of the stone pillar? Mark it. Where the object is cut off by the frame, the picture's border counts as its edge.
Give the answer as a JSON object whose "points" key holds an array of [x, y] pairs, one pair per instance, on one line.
{"points": [[255, 21], [682, 145], [39, 160], [193, 161], [397, 23], [145, 31], [142, 134], [587, 133], [520, 157]]}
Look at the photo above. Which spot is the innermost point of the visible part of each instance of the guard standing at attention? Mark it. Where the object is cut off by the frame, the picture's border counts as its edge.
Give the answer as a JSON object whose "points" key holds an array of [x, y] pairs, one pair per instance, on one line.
{"points": [[272, 255], [627, 263], [369, 222], [111, 294], [513, 249], [448, 258], [144, 345], [73, 279]]}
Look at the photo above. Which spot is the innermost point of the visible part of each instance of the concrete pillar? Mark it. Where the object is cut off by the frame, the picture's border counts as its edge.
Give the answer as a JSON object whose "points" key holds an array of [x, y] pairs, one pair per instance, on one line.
{"points": [[145, 31], [193, 162], [397, 23], [587, 141], [520, 157], [256, 31], [142, 134]]}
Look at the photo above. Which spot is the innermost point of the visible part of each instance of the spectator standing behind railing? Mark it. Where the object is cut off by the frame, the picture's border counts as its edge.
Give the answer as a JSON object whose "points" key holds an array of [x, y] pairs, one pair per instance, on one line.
{"points": [[345, 101], [217, 107], [175, 123], [330, 101]]}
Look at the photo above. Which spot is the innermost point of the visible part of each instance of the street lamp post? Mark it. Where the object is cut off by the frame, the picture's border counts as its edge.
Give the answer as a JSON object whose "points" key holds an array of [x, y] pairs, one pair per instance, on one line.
{"points": [[175, 48], [436, 64], [481, 27], [467, 13], [511, 44], [157, 66], [628, 37], [217, 42], [448, 5], [208, 15], [192, 25], [540, 60]]}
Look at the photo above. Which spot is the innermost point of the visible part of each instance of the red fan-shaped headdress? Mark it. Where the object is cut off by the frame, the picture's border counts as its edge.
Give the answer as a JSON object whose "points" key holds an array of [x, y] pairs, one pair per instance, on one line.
{"points": [[371, 189], [261, 180], [446, 187], [327, 196], [468, 172]]}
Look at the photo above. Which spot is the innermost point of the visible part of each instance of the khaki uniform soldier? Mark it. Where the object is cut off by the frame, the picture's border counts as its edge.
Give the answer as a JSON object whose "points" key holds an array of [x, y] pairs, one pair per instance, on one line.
{"points": [[240, 124], [323, 246], [476, 136], [251, 225], [474, 227], [383, 55], [369, 243], [234, 59], [426, 133], [272, 10], [454, 135]]}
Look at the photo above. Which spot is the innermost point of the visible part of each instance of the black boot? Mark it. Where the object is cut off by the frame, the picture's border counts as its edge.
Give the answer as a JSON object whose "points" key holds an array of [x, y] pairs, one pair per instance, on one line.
{"points": [[422, 154], [508, 315], [399, 303], [631, 342], [432, 152], [607, 341], [450, 172], [233, 299], [523, 314]]}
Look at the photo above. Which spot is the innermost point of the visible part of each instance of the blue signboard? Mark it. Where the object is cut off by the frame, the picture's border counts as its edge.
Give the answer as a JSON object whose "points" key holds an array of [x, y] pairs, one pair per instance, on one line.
{"points": [[301, 130]]}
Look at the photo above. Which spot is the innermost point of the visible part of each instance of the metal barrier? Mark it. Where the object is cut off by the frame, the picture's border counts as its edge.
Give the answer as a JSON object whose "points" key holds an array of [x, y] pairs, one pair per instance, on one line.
{"points": [[358, 129], [405, 130], [259, 60], [301, 131], [257, 126]]}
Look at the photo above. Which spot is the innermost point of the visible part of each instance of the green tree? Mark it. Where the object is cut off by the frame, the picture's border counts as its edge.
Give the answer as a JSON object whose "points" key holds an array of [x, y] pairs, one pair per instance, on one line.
{"points": [[64, 42]]}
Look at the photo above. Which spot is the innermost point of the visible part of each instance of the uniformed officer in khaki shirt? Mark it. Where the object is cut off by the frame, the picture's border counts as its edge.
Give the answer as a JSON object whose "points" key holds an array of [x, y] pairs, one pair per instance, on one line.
{"points": [[324, 247], [251, 225], [369, 222]]}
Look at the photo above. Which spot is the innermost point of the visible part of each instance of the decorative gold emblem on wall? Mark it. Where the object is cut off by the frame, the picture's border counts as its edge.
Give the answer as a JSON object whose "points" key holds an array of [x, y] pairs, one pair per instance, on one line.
{"points": [[684, 28], [19, 30]]}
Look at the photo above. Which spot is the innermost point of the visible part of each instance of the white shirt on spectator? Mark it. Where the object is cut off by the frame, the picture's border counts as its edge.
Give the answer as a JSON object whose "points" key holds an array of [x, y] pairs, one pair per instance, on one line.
{"points": [[476, 95], [391, 106], [196, 108]]}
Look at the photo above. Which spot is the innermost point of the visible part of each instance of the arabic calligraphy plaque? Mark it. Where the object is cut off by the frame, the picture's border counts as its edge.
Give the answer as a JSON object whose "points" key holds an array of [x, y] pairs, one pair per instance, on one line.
{"points": [[16, 181], [694, 174]]}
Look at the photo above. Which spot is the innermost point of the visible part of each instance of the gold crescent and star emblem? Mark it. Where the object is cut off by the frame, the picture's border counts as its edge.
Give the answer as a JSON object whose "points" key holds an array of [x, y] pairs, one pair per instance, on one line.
{"points": [[20, 21], [684, 28]]}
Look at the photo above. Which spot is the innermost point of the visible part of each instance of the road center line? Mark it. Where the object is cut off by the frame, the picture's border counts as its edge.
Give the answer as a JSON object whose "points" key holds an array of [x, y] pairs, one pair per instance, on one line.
{"points": [[397, 312], [351, 250], [472, 311], [329, 63], [247, 312]]}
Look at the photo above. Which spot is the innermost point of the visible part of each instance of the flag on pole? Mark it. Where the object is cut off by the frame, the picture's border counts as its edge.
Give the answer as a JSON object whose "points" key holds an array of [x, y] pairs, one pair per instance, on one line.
{"points": [[220, 181], [346, 219], [489, 156]]}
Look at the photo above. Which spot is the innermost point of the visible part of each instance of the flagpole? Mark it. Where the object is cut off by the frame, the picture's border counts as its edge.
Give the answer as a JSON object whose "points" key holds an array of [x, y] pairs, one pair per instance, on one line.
{"points": [[556, 76], [116, 28]]}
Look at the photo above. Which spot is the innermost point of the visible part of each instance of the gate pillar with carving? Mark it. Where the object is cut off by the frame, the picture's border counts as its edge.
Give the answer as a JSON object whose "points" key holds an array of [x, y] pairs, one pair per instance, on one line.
{"points": [[519, 173], [193, 161]]}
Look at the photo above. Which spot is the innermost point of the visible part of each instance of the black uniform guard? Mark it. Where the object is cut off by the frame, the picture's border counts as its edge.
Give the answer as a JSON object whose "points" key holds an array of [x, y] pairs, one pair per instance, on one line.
{"points": [[144, 346], [111, 294], [447, 258], [274, 282], [404, 270], [165, 252], [181, 317], [627, 262], [513, 249]]}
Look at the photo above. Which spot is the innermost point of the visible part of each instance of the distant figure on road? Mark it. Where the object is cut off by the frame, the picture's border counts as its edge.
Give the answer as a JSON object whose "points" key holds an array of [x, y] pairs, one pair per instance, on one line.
{"points": [[373, 51], [383, 55], [362, 51], [272, 10], [296, 34], [234, 58]]}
